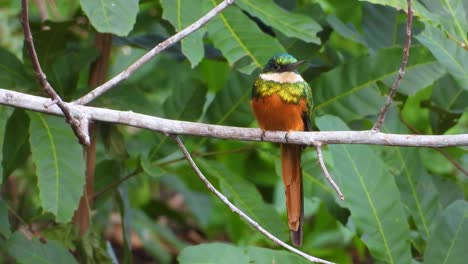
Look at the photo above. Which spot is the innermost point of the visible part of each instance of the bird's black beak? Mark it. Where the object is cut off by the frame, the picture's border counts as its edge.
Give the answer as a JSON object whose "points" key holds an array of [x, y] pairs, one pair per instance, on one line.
{"points": [[294, 66]]}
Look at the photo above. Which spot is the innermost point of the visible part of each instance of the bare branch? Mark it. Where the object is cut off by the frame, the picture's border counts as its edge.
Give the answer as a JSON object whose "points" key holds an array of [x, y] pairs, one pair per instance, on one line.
{"points": [[401, 71], [149, 55], [318, 148], [447, 155], [167, 126], [81, 134], [238, 211]]}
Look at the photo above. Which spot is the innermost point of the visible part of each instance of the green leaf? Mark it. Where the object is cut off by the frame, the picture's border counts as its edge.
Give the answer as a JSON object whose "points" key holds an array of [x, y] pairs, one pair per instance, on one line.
{"points": [[237, 37], [214, 74], [231, 104], [212, 253], [198, 203], [12, 72], [451, 14], [63, 75], [447, 52], [347, 30], [244, 195], [351, 92], [226, 253], [59, 164], [125, 215], [111, 16], [15, 145], [181, 14], [372, 197], [379, 26], [265, 255], [5, 113], [186, 100], [448, 95], [155, 237], [33, 251], [448, 244], [290, 24], [4, 222], [418, 191]]}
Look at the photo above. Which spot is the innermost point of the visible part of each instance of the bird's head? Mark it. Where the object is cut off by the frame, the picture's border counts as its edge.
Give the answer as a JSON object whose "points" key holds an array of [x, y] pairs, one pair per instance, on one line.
{"points": [[282, 62]]}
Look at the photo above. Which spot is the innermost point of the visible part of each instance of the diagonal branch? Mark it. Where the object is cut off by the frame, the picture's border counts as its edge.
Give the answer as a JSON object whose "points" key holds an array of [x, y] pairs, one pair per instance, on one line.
{"points": [[318, 148], [168, 126], [150, 54], [401, 71], [238, 211], [79, 129]]}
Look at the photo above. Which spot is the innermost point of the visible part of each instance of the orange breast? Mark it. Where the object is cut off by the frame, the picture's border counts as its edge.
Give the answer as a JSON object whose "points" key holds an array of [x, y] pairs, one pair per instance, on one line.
{"points": [[274, 114]]}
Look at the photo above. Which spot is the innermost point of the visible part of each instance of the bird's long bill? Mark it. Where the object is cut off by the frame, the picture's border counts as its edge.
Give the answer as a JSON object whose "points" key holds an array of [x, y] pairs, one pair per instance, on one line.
{"points": [[295, 65]]}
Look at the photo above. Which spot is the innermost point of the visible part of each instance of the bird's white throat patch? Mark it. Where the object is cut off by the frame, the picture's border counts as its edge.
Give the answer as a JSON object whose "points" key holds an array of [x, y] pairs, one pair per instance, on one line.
{"points": [[282, 77]]}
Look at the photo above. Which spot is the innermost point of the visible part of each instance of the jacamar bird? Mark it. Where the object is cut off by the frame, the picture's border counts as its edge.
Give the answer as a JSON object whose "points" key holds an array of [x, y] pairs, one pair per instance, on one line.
{"points": [[282, 101]]}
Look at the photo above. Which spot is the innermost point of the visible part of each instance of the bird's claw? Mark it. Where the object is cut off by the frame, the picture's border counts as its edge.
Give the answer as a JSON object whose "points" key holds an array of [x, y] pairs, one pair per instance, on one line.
{"points": [[262, 136], [286, 136]]}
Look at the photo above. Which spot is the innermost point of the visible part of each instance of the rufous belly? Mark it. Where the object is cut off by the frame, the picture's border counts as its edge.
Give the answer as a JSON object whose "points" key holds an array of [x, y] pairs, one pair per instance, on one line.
{"points": [[274, 114]]}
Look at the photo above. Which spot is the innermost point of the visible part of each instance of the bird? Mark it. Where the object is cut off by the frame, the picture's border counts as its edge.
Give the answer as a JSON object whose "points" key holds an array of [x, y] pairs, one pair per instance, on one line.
{"points": [[282, 101]]}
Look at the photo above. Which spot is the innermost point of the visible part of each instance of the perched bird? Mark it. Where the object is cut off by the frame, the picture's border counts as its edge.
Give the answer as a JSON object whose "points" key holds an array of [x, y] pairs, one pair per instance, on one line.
{"points": [[282, 101]]}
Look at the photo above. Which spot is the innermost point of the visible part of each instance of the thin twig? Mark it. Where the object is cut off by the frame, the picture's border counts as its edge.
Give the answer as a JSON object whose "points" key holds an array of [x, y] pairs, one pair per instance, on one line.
{"points": [[401, 71], [238, 211], [80, 133], [168, 126], [156, 50], [318, 148]]}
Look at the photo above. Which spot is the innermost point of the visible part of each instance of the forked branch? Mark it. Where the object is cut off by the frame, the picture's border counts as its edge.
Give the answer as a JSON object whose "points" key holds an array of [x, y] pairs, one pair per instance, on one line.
{"points": [[79, 128]]}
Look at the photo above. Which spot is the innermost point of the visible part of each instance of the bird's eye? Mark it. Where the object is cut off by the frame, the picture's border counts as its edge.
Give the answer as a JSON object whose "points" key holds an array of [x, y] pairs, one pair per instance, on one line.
{"points": [[276, 67]]}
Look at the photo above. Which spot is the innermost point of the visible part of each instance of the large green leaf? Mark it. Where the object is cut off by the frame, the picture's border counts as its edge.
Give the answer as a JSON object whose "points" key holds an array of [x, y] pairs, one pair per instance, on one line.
{"points": [[419, 193], [451, 14], [111, 16], [244, 195], [290, 24], [379, 26], [225, 253], [182, 13], [186, 100], [213, 253], [59, 164], [448, 95], [372, 197], [231, 104], [63, 75], [447, 52], [15, 145], [351, 90], [33, 251], [448, 244], [4, 115], [237, 37], [347, 30], [12, 72]]}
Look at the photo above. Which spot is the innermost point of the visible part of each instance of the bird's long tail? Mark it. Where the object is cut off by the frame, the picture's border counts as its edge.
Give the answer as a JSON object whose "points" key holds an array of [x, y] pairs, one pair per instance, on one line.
{"points": [[292, 179]]}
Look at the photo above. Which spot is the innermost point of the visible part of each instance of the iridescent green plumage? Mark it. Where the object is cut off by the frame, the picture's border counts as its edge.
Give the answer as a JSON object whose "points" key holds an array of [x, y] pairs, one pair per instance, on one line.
{"points": [[290, 92]]}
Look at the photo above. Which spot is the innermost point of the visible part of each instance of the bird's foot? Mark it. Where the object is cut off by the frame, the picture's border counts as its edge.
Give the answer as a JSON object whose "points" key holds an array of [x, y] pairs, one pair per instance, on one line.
{"points": [[262, 136], [286, 136]]}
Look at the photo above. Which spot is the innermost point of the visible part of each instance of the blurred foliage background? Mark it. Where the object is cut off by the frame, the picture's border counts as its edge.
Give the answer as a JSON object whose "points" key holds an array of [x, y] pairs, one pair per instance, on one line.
{"points": [[403, 205]]}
